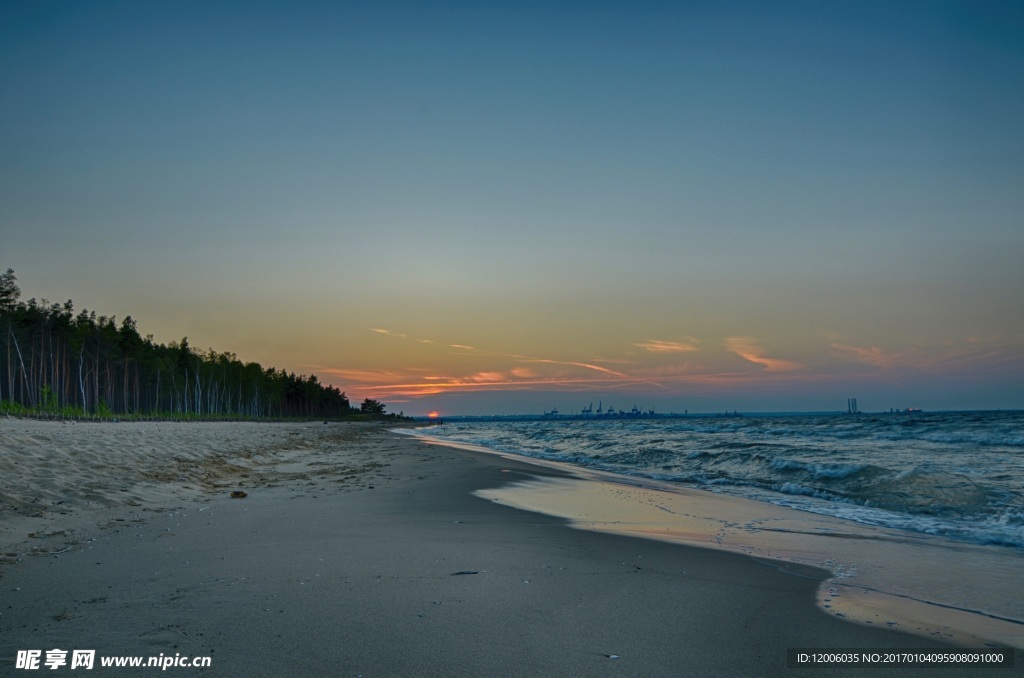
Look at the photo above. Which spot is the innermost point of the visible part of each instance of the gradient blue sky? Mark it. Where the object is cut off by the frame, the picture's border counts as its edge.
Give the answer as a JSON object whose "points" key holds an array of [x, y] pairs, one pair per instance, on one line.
{"points": [[488, 207]]}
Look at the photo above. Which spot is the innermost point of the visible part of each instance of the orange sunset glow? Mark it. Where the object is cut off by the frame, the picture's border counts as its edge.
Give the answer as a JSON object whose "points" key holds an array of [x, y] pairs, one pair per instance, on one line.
{"points": [[670, 370]]}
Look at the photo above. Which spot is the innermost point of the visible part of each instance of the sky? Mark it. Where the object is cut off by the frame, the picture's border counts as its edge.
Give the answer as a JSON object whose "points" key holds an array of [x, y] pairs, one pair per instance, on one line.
{"points": [[487, 208]]}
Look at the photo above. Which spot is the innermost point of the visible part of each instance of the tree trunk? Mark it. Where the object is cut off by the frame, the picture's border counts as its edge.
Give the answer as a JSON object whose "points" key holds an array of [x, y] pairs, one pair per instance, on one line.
{"points": [[21, 359], [81, 382]]}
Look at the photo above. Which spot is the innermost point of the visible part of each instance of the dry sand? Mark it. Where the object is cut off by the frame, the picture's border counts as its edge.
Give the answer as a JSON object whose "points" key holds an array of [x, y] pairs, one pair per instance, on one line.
{"points": [[358, 551]]}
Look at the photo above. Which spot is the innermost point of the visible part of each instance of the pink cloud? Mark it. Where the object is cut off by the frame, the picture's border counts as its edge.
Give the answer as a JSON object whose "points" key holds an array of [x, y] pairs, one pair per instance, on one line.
{"points": [[748, 349]]}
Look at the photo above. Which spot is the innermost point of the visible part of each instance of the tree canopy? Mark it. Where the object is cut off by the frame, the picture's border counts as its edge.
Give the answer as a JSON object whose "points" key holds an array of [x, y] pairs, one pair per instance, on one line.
{"points": [[53, 360], [370, 406], [9, 292]]}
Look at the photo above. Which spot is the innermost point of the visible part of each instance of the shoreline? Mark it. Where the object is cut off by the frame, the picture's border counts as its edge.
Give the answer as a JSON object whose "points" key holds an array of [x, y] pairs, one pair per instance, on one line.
{"points": [[877, 575], [362, 551]]}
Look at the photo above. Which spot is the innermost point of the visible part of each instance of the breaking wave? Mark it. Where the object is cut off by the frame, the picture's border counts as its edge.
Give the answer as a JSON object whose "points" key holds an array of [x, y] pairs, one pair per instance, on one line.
{"points": [[960, 475]]}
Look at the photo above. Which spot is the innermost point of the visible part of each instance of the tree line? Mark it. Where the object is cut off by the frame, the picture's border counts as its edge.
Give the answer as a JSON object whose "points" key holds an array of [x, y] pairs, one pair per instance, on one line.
{"points": [[57, 362]]}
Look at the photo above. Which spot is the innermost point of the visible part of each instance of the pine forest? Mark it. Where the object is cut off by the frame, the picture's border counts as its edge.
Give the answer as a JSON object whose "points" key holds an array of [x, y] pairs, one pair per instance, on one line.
{"points": [[55, 362]]}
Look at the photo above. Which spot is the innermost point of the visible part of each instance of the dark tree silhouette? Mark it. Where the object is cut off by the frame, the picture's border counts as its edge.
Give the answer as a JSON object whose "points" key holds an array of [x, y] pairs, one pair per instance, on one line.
{"points": [[9, 291], [53, 361]]}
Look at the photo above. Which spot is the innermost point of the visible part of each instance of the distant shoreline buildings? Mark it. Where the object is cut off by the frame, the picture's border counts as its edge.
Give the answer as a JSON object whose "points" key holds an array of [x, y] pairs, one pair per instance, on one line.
{"points": [[610, 412]]}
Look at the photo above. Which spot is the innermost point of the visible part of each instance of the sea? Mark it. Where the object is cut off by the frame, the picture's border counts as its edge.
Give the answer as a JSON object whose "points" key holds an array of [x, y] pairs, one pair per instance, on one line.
{"points": [[952, 482], [955, 474]]}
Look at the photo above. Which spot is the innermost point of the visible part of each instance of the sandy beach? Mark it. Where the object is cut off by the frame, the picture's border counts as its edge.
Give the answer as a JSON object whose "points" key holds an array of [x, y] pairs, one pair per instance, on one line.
{"points": [[359, 551]]}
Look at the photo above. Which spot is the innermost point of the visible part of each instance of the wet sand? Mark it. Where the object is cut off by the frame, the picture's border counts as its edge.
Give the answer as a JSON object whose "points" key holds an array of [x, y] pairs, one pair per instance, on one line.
{"points": [[358, 551], [929, 586]]}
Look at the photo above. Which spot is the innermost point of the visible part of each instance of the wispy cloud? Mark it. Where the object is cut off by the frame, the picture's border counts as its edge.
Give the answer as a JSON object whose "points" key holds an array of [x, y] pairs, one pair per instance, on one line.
{"points": [[588, 366], [419, 340], [679, 365], [500, 354], [869, 356], [972, 353], [380, 330], [540, 373], [485, 381], [367, 376], [750, 350], [661, 346]]}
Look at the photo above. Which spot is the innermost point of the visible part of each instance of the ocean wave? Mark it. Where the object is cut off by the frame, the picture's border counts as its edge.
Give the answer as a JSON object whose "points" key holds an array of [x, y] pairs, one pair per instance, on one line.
{"points": [[960, 476], [990, 530], [835, 471], [1012, 517], [976, 438], [930, 492], [796, 488]]}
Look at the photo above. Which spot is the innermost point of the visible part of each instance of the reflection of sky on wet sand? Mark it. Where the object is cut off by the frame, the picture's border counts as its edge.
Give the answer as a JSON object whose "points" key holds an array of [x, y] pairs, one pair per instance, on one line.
{"points": [[915, 583]]}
